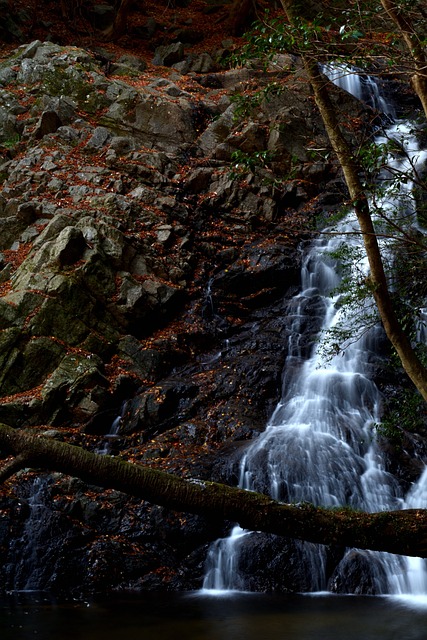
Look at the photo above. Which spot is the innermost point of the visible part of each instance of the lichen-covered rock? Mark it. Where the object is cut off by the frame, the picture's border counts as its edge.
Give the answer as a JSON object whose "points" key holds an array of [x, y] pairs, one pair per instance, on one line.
{"points": [[217, 132], [156, 121], [74, 382], [26, 367]]}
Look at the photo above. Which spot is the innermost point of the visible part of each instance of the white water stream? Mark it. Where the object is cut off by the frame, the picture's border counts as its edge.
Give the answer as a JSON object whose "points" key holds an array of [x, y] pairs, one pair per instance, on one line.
{"points": [[319, 445]]}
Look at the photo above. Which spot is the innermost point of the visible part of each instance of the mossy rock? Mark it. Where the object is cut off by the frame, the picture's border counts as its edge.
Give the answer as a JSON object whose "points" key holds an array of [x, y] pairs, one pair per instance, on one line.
{"points": [[60, 318], [9, 315], [32, 365], [98, 277], [15, 307], [75, 376], [16, 413], [10, 356], [71, 81], [25, 366]]}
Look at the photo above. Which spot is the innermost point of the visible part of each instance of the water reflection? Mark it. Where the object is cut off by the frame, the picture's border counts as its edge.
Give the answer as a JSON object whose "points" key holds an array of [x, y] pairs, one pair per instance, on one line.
{"points": [[198, 617]]}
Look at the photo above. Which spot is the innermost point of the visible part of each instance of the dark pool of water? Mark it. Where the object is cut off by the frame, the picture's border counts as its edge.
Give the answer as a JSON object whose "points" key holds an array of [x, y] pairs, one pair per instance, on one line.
{"points": [[201, 617]]}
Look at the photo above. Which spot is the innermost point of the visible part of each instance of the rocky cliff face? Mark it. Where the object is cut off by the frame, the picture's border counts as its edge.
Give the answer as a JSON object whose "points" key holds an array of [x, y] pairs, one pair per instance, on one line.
{"points": [[149, 247]]}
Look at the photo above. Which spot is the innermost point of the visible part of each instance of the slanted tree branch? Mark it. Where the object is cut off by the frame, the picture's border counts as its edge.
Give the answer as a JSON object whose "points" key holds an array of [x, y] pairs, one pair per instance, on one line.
{"points": [[402, 532]]}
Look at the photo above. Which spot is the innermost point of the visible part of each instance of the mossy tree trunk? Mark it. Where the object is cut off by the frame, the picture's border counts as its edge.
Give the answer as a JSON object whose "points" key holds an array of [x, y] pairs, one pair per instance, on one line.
{"points": [[402, 532]]}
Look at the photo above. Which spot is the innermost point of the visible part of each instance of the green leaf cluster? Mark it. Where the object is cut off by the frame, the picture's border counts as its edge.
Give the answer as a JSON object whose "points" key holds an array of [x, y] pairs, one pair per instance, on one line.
{"points": [[245, 104], [242, 162], [407, 411], [271, 36]]}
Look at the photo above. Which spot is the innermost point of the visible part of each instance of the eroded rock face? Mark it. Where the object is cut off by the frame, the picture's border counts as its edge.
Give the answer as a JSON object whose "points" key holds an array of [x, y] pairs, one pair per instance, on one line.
{"points": [[144, 279], [108, 246]]}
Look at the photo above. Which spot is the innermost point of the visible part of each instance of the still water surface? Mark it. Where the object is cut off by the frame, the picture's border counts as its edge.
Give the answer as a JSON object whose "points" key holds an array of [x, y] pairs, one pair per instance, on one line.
{"points": [[199, 617]]}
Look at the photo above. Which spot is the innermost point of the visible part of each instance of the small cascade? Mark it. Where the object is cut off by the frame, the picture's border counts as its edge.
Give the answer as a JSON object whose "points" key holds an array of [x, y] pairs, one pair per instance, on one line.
{"points": [[31, 549], [208, 310], [410, 576], [104, 447], [362, 87], [222, 574], [320, 444]]}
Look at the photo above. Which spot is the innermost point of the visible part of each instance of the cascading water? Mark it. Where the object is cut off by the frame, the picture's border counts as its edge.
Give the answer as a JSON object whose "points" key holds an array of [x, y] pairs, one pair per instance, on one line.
{"points": [[31, 550], [320, 446], [362, 87], [104, 447]]}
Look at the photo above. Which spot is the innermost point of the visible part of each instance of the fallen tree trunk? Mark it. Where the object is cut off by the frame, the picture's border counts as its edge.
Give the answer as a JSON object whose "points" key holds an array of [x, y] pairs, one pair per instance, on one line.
{"points": [[401, 532]]}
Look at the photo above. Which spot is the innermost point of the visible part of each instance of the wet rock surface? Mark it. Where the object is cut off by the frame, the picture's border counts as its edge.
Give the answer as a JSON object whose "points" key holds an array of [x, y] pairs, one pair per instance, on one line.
{"points": [[146, 274]]}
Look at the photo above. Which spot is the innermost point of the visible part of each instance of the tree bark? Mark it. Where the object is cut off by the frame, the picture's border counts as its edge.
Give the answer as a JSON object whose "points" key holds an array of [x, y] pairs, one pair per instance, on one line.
{"points": [[240, 15], [351, 169], [416, 48], [118, 27], [401, 532]]}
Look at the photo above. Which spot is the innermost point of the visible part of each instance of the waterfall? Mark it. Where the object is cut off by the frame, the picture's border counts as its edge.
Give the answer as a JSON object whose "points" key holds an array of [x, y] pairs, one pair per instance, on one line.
{"points": [[320, 444], [31, 550], [362, 87], [104, 447]]}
